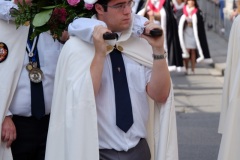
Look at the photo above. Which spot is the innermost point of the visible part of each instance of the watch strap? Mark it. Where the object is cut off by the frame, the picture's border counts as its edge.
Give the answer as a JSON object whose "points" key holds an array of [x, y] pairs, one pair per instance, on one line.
{"points": [[159, 56]]}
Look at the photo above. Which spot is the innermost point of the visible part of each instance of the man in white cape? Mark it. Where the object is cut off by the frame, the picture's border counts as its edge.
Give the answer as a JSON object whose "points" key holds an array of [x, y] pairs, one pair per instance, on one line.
{"points": [[229, 117], [73, 130], [13, 41], [10, 70]]}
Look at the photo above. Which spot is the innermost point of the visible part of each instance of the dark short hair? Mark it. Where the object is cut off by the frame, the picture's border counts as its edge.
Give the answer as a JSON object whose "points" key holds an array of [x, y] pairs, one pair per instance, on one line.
{"points": [[103, 3]]}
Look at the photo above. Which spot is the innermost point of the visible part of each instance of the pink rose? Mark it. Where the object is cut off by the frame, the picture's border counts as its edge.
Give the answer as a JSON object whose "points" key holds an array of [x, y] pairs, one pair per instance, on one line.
{"points": [[73, 2], [88, 6]]}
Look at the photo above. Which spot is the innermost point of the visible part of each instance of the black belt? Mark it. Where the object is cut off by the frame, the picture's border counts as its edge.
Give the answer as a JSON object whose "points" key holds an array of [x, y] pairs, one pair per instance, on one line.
{"points": [[142, 139], [140, 152], [47, 116]]}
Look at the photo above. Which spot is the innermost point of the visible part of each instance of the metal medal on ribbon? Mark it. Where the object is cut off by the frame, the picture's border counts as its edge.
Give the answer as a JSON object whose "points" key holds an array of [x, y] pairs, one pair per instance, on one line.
{"points": [[36, 75], [29, 66], [30, 54]]}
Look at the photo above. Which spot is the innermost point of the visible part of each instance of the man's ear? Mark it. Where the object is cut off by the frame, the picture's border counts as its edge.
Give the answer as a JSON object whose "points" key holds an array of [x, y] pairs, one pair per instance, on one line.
{"points": [[99, 8]]}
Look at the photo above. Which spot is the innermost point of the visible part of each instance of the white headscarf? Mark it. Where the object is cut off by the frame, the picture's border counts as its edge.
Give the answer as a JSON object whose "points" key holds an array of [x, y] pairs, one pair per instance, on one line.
{"points": [[90, 1]]}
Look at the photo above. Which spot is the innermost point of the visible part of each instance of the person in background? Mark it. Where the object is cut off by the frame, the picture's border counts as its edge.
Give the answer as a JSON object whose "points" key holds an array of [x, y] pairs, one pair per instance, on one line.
{"points": [[161, 12], [192, 36], [236, 9], [221, 4], [175, 61], [156, 12], [26, 104], [221, 7], [229, 116], [178, 9], [138, 5]]}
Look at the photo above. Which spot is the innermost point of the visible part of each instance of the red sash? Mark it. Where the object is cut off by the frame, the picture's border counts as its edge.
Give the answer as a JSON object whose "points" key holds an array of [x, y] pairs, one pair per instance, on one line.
{"points": [[153, 6], [192, 12]]}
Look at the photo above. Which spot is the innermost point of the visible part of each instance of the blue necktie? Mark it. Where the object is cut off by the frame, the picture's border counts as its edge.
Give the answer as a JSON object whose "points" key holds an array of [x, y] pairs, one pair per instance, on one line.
{"points": [[37, 97], [124, 116]]}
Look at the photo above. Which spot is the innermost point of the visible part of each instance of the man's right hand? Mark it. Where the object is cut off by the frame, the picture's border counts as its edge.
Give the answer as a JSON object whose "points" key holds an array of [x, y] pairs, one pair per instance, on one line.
{"points": [[99, 43], [97, 65], [9, 133]]}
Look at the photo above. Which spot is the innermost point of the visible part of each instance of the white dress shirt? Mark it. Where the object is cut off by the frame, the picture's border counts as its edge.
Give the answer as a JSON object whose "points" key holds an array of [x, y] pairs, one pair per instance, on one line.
{"points": [[110, 136], [48, 51]]}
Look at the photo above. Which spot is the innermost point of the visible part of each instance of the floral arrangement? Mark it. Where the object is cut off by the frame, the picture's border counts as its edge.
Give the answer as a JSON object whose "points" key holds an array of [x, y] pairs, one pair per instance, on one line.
{"points": [[53, 16]]}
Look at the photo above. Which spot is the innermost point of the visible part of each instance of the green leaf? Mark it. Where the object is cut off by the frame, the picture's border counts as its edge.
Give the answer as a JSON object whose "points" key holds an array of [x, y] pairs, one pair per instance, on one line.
{"points": [[49, 7], [42, 18]]}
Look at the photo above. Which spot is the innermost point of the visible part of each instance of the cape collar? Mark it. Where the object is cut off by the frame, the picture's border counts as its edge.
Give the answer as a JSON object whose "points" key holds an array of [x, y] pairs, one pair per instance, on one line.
{"points": [[187, 13]]}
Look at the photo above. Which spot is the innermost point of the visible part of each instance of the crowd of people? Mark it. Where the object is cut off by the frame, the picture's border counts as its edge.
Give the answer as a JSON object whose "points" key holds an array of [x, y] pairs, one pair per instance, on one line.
{"points": [[82, 96]]}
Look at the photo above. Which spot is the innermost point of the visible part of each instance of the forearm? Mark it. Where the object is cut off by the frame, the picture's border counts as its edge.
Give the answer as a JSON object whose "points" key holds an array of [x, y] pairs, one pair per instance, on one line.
{"points": [[159, 86], [99, 57], [96, 70]]}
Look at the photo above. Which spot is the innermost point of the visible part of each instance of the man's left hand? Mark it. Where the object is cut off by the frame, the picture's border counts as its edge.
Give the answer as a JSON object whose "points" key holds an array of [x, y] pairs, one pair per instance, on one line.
{"points": [[157, 43]]}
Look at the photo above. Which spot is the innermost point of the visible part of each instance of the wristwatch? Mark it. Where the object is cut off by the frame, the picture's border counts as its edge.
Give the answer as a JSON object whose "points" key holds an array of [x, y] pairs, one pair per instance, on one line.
{"points": [[159, 56]]}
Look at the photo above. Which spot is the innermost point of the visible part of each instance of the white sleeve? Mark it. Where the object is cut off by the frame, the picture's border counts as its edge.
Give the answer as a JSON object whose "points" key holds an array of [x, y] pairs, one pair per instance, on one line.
{"points": [[83, 28], [8, 113], [138, 24], [5, 7]]}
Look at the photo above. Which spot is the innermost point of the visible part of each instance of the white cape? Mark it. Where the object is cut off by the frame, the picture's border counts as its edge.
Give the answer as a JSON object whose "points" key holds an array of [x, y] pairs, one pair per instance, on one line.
{"points": [[230, 118], [10, 70], [73, 132]]}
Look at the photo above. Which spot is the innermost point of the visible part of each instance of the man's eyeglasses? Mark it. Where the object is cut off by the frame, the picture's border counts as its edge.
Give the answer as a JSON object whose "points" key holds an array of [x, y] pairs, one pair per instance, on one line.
{"points": [[122, 6]]}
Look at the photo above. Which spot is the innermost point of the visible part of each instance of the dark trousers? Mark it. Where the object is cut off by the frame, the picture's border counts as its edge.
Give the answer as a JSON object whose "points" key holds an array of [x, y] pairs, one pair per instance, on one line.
{"points": [[31, 138], [140, 152]]}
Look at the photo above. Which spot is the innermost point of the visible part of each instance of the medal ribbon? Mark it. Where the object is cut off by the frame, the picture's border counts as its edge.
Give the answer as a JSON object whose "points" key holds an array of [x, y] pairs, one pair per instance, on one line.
{"points": [[31, 48], [37, 96]]}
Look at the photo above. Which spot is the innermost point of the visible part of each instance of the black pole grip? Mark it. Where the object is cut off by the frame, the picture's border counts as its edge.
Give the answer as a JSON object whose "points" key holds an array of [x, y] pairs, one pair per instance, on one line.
{"points": [[156, 32], [109, 36]]}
